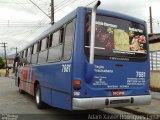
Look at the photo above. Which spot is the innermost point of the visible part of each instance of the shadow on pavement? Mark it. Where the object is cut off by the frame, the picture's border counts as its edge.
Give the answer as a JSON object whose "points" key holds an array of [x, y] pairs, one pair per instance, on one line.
{"points": [[52, 113]]}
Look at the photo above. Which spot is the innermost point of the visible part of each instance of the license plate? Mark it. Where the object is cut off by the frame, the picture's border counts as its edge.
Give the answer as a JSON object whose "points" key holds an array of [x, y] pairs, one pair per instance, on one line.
{"points": [[118, 92]]}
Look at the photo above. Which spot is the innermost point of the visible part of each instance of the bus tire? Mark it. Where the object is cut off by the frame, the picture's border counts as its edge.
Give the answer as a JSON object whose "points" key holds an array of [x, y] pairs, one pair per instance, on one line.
{"points": [[20, 88], [39, 103]]}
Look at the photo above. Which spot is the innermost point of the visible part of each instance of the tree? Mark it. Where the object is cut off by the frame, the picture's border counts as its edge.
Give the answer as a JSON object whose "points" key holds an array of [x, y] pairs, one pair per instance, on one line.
{"points": [[2, 64]]}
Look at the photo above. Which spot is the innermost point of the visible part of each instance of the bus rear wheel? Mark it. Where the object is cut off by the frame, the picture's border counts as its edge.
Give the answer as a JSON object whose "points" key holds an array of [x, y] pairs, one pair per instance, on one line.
{"points": [[39, 103], [20, 88]]}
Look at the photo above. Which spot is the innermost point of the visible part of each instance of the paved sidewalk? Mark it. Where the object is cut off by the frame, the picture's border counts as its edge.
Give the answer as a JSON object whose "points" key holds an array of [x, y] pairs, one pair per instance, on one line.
{"points": [[155, 95], [153, 110]]}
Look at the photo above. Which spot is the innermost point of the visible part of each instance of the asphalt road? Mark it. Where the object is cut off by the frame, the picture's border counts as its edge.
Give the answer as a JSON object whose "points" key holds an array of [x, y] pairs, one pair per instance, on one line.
{"points": [[22, 106], [15, 106]]}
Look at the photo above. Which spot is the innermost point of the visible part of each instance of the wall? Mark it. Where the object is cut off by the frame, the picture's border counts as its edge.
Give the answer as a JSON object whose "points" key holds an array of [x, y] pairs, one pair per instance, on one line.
{"points": [[155, 75], [154, 47], [155, 81]]}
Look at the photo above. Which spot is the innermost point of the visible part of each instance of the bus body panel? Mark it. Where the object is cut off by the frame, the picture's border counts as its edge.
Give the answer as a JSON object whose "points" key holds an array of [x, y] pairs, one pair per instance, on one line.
{"points": [[46, 94], [53, 76], [56, 79], [109, 73], [116, 71], [103, 83]]}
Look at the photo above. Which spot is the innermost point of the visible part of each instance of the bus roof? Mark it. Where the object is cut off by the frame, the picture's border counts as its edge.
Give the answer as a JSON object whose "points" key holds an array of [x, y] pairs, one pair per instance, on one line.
{"points": [[70, 16]]}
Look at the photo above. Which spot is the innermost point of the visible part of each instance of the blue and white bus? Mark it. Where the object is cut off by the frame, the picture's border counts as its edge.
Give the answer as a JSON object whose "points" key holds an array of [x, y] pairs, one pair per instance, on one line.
{"points": [[76, 65]]}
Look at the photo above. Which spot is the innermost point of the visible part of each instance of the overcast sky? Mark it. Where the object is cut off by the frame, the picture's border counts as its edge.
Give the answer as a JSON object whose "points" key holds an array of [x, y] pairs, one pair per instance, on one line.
{"points": [[21, 21]]}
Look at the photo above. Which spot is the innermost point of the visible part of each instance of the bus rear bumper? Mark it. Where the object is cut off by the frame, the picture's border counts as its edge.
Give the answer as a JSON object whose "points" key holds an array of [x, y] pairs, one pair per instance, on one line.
{"points": [[104, 102]]}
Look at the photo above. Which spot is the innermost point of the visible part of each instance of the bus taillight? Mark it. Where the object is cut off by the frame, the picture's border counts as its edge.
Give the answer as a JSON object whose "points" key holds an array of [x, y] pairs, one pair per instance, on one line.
{"points": [[77, 84]]}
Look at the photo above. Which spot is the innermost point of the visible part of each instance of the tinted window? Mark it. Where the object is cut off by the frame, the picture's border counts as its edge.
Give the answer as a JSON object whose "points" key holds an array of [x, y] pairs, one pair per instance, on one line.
{"points": [[61, 35], [35, 48], [42, 57], [24, 53], [55, 38], [68, 40], [29, 52], [34, 55], [32, 49], [34, 58], [43, 44], [28, 55], [50, 40], [47, 42], [55, 53]]}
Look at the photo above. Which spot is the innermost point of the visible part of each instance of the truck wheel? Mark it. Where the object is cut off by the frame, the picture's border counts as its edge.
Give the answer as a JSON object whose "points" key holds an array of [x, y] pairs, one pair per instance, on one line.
{"points": [[39, 103]]}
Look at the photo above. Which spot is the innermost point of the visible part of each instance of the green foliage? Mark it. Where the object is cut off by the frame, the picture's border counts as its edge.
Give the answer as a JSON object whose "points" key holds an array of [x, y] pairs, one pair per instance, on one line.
{"points": [[110, 30], [2, 64]]}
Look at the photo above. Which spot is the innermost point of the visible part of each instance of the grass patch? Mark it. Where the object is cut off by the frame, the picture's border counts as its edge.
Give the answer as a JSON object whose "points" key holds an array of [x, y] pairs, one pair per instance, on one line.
{"points": [[3, 72]]}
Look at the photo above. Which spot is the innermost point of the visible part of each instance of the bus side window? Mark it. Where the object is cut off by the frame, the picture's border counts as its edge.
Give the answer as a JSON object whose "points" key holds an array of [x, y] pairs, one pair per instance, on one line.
{"points": [[47, 41], [24, 54], [68, 43], [28, 52], [34, 55], [55, 52], [50, 41], [55, 38], [29, 55], [61, 36], [42, 57], [32, 48], [25, 61], [21, 57], [43, 44], [39, 46]]}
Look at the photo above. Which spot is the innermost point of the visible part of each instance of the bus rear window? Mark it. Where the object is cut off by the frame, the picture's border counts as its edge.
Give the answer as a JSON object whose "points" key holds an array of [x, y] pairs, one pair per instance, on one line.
{"points": [[117, 39]]}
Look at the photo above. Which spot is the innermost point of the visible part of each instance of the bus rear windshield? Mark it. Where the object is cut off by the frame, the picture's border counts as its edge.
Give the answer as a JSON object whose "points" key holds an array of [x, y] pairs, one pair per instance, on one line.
{"points": [[117, 39]]}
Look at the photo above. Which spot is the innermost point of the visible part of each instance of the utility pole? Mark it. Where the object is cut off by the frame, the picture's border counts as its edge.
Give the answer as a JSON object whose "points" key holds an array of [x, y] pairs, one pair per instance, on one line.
{"points": [[52, 12], [5, 56], [14, 65], [150, 20]]}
